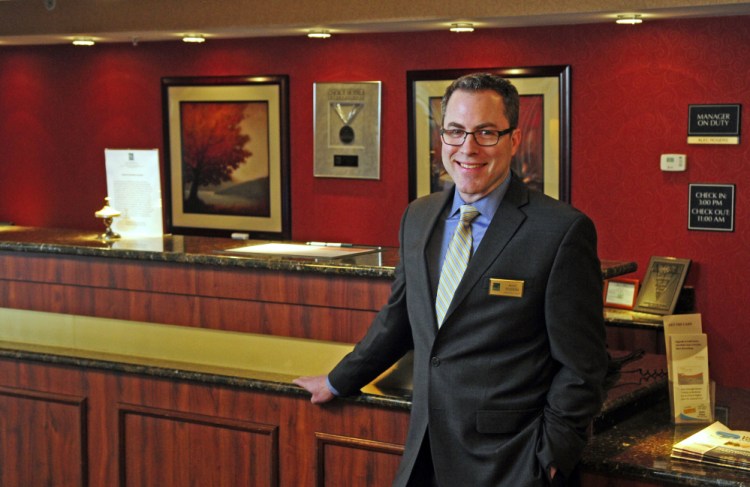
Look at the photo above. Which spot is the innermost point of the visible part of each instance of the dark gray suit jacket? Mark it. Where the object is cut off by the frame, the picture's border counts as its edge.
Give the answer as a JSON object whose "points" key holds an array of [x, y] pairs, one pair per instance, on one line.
{"points": [[508, 385]]}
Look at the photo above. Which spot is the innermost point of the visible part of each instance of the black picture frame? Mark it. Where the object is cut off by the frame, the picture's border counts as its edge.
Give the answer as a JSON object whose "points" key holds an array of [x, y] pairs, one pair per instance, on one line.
{"points": [[236, 197], [550, 82]]}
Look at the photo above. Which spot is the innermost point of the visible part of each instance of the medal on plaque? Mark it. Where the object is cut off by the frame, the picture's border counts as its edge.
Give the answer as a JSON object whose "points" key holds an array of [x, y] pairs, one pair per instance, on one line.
{"points": [[347, 112]]}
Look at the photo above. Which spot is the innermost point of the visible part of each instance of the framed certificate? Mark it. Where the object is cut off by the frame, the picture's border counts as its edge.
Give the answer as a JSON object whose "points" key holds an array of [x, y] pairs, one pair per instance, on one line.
{"points": [[620, 292], [347, 130]]}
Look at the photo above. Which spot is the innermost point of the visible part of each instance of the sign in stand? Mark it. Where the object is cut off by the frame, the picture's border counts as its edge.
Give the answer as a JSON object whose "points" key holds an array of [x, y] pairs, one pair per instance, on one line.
{"points": [[711, 207], [134, 189], [690, 391]]}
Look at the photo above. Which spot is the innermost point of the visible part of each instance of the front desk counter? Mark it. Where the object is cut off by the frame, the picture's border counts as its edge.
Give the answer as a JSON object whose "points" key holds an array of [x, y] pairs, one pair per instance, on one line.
{"points": [[170, 362], [91, 418]]}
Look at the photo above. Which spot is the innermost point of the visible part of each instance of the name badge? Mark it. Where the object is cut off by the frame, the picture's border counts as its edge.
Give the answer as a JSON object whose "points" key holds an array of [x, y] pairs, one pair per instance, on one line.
{"points": [[506, 287]]}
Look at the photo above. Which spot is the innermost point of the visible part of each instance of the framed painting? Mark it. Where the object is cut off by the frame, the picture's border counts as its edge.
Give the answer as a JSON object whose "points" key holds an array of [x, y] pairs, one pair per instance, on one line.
{"points": [[543, 160], [227, 155]]}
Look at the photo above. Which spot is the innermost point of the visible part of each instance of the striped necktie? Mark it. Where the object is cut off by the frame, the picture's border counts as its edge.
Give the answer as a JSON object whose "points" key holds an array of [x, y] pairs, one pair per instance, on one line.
{"points": [[456, 259]]}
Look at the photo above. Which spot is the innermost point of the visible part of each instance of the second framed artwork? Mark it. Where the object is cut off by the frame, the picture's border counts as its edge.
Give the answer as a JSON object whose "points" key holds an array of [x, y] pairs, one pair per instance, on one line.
{"points": [[542, 161], [227, 155]]}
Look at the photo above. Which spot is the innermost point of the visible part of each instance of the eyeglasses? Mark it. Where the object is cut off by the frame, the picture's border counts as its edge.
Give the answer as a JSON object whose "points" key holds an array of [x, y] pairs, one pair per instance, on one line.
{"points": [[483, 137]]}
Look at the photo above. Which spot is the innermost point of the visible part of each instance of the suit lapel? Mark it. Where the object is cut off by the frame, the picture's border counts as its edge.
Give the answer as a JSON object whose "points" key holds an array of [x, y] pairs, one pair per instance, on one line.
{"points": [[426, 287], [503, 226]]}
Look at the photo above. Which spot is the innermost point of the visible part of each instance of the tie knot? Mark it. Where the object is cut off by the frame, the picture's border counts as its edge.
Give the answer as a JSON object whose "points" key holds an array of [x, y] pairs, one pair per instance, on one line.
{"points": [[468, 213]]}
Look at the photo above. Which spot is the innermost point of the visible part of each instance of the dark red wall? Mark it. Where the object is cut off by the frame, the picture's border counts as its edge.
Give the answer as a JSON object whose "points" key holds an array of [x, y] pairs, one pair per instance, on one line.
{"points": [[61, 106]]}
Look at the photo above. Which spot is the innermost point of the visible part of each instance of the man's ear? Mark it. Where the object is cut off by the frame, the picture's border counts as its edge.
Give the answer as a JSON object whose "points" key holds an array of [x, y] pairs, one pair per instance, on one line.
{"points": [[515, 140]]}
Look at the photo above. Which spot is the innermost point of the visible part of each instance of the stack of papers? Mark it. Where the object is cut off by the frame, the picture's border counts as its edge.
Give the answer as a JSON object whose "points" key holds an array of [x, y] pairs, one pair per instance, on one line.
{"points": [[716, 445], [303, 250]]}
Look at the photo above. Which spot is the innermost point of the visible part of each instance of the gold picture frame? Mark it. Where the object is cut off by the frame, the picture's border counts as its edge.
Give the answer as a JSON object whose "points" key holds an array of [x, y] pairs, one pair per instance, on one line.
{"points": [[227, 155]]}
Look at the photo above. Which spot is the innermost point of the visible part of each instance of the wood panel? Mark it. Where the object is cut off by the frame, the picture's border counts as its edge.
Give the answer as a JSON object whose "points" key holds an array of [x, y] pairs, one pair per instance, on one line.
{"points": [[194, 449], [151, 431], [348, 461], [301, 305], [180, 278], [292, 320], [648, 340], [42, 439]]}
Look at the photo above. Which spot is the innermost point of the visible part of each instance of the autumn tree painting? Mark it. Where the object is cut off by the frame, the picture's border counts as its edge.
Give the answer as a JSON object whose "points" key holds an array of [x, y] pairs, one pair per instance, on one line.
{"points": [[215, 137]]}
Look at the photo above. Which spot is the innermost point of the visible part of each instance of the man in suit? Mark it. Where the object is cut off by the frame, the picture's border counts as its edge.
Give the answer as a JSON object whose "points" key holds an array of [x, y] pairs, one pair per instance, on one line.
{"points": [[507, 383]]}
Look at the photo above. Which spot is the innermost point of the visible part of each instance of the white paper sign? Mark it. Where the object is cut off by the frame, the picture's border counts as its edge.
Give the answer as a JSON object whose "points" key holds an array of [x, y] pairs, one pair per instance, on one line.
{"points": [[134, 189]]}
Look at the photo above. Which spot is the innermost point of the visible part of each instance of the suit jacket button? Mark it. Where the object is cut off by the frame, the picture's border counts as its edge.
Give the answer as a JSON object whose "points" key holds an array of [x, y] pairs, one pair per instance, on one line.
{"points": [[435, 362]]}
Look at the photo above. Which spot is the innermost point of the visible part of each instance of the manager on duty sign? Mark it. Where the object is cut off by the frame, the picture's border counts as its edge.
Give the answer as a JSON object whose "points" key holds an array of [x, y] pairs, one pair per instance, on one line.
{"points": [[713, 124]]}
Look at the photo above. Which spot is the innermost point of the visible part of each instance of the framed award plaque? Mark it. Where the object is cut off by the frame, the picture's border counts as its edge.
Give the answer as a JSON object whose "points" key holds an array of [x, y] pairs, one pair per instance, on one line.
{"points": [[662, 285], [347, 130]]}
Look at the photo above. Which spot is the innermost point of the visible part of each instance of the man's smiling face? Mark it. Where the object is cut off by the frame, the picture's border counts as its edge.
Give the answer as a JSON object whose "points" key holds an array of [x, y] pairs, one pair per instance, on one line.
{"points": [[477, 170]]}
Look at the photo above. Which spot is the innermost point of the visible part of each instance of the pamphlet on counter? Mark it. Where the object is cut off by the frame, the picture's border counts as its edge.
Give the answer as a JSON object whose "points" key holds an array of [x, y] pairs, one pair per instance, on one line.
{"points": [[716, 445], [687, 362]]}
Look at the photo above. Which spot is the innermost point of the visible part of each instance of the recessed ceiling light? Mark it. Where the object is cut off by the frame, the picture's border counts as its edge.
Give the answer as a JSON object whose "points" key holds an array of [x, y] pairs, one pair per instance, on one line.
{"points": [[83, 41], [462, 27], [194, 38], [319, 34], [629, 19]]}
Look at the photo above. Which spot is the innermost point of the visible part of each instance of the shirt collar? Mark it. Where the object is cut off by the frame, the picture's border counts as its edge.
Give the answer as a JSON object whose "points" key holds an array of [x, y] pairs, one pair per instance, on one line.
{"points": [[487, 205]]}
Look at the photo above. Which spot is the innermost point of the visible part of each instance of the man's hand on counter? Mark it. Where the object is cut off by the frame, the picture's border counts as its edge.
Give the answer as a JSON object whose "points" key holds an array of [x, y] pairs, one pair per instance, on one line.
{"points": [[317, 386]]}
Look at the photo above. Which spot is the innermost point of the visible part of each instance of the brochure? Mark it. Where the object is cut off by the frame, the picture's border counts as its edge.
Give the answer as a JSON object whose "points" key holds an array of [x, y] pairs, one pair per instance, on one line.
{"points": [[687, 364], [716, 445]]}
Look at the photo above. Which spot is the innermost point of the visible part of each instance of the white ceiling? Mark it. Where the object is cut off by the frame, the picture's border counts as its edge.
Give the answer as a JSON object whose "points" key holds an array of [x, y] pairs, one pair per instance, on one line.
{"points": [[30, 32]]}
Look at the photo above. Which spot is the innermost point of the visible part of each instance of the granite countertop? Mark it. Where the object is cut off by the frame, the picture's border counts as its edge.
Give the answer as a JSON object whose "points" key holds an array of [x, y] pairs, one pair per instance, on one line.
{"points": [[639, 447], [254, 361], [640, 383], [253, 380], [213, 251]]}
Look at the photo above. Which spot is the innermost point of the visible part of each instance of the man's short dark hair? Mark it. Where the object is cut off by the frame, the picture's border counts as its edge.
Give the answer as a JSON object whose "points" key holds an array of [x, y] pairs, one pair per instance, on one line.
{"points": [[487, 81]]}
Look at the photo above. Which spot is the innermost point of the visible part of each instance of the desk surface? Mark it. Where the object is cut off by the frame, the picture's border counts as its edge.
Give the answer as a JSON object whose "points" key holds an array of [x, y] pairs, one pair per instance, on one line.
{"points": [[639, 447]]}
